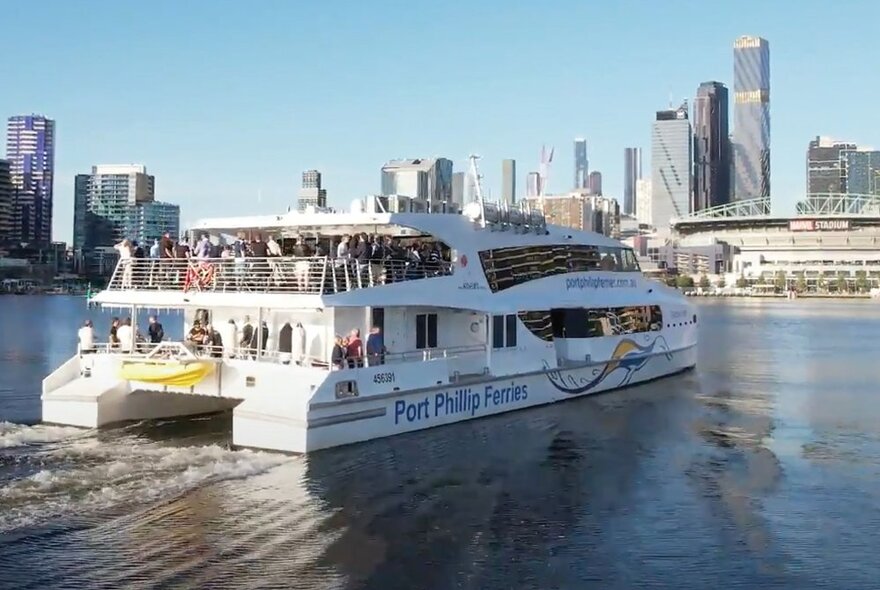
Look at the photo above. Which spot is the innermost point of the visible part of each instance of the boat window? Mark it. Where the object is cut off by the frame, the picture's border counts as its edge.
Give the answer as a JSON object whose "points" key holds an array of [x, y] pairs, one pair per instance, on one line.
{"points": [[504, 331], [426, 330], [630, 263], [508, 267], [538, 323], [611, 321], [345, 389], [510, 331], [377, 317], [497, 331]]}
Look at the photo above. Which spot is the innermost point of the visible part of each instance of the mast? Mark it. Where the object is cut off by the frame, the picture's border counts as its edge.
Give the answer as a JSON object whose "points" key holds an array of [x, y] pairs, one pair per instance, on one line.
{"points": [[478, 189]]}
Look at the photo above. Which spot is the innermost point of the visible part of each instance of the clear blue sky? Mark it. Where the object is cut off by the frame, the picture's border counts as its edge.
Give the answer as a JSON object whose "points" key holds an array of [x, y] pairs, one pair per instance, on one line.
{"points": [[226, 100]]}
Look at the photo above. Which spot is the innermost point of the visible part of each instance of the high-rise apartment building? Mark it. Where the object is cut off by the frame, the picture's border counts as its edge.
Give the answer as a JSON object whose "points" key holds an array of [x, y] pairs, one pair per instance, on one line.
{"points": [[30, 149], [644, 212], [671, 166], [595, 182], [458, 188], [429, 179], [533, 184], [508, 181], [632, 173], [751, 117], [580, 210], [711, 146], [116, 202], [581, 165], [826, 166], [312, 193], [862, 171], [6, 203]]}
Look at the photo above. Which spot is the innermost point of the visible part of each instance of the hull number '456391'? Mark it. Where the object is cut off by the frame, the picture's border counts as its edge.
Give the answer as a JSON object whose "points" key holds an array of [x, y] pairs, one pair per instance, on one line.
{"points": [[383, 378]]}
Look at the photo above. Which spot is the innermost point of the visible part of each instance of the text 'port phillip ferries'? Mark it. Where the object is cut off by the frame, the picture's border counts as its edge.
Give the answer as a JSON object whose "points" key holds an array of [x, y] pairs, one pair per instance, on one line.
{"points": [[323, 328]]}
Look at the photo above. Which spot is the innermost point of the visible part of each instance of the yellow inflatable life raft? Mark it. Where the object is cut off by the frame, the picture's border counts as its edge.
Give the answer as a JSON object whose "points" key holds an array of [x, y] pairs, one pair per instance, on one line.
{"points": [[173, 374]]}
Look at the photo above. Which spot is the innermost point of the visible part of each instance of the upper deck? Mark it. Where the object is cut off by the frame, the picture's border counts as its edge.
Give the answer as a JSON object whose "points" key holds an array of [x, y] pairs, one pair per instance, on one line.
{"points": [[468, 264]]}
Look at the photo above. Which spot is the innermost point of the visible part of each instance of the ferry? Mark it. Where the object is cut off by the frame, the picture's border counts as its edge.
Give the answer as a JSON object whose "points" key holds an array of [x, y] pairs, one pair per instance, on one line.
{"points": [[506, 313]]}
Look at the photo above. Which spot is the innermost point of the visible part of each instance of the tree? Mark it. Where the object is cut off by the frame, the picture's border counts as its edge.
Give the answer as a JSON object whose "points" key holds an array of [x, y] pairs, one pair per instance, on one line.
{"points": [[842, 287], [779, 281], [741, 282], [801, 284], [760, 280], [670, 281], [721, 282], [862, 283], [822, 284], [684, 282], [704, 282]]}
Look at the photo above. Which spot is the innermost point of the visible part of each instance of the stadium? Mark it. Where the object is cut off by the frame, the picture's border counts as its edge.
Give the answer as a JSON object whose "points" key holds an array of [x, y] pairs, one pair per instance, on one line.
{"points": [[831, 244]]}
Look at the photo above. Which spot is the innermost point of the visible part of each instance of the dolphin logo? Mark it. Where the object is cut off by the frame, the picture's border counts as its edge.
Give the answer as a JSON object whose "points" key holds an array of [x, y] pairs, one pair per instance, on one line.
{"points": [[628, 356]]}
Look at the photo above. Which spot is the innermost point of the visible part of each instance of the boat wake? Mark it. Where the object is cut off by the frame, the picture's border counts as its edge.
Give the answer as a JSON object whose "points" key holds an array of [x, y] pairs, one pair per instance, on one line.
{"points": [[69, 475]]}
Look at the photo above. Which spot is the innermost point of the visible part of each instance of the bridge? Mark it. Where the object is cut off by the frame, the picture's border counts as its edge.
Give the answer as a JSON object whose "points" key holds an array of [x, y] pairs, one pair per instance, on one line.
{"points": [[814, 205]]}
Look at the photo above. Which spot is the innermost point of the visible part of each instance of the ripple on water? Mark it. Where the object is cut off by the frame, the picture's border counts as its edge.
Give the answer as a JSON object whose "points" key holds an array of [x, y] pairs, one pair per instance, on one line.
{"points": [[77, 475]]}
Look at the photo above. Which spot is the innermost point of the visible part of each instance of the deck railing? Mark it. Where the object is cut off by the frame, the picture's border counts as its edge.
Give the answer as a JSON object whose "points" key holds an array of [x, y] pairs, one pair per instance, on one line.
{"points": [[176, 351], [312, 275]]}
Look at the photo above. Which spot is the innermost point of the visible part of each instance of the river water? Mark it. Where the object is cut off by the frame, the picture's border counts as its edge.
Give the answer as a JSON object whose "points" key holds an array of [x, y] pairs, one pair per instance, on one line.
{"points": [[759, 469]]}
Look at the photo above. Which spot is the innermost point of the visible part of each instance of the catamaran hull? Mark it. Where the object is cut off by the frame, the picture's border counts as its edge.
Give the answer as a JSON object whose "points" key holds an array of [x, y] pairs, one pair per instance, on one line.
{"points": [[265, 423]]}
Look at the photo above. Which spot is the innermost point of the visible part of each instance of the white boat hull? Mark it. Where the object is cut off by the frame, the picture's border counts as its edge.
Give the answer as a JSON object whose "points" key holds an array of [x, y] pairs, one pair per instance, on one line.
{"points": [[262, 423]]}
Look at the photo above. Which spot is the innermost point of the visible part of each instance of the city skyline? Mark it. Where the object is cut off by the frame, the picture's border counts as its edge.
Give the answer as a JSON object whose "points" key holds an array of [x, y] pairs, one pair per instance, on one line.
{"points": [[189, 123]]}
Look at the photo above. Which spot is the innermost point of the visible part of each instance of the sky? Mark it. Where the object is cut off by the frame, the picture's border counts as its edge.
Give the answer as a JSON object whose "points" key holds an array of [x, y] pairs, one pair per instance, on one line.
{"points": [[226, 103]]}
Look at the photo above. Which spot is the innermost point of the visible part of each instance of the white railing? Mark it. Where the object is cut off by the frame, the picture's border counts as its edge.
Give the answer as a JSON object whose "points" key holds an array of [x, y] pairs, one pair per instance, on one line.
{"points": [[312, 275], [175, 351]]}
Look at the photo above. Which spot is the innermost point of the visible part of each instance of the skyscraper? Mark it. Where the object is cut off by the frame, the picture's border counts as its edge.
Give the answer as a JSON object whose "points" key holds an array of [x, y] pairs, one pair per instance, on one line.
{"points": [[671, 166], [751, 117], [117, 202], [644, 209], [30, 149], [429, 179], [508, 181], [6, 204], [632, 173], [711, 146], [458, 188], [312, 194], [862, 167], [826, 166], [595, 182], [581, 168], [533, 184]]}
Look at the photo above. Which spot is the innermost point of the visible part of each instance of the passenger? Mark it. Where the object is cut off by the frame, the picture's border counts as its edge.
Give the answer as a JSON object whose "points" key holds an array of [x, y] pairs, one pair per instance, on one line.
{"points": [[229, 332], [166, 246], [285, 343], [375, 347], [126, 335], [213, 342], [354, 351], [299, 344], [124, 249], [154, 249], [203, 248], [86, 338], [114, 333], [155, 331], [196, 335], [337, 357], [248, 339], [264, 332]]}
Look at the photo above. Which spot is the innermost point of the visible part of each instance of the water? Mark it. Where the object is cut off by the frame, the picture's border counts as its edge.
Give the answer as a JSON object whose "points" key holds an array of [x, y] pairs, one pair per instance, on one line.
{"points": [[757, 470]]}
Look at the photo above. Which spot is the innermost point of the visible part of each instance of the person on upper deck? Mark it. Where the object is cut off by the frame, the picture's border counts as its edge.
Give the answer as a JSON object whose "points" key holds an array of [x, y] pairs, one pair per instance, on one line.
{"points": [[166, 246], [203, 247], [259, 249], [154, 249], [181, 249]]}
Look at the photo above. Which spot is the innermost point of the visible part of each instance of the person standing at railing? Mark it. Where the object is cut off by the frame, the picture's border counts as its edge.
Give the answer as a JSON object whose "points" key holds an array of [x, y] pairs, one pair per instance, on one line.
{"points": [[203, 247], [354, 350], [260, 251], [86, 337], [155, 331], [125, 333], [274, 251], [114, 333], [375, 347], [124, 249], [248, 339]]}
